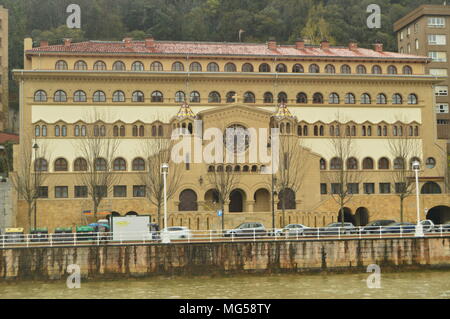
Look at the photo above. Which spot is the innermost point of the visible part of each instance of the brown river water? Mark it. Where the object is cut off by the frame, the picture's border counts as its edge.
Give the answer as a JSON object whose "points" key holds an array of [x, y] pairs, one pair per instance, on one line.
{"points": [[423, 284]]}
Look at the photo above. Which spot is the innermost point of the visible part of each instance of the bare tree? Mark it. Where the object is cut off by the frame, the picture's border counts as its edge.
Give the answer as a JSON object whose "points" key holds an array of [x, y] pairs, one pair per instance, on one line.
{"points": [[344, 175], [158, 151], [98, 149], [31, 173], [402, 147]]}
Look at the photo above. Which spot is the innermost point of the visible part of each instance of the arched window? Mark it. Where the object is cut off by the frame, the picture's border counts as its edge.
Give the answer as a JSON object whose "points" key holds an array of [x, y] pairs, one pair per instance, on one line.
{"points": [[137, 96], [323, 164], [137, 66], [367, 163], [61, 65], [141, 130], [399, 163], [188, 201], [153, 130], [352, 163], [314, 68], [83, 130], [76, 130], [63, 130], [138, 164], [160, 130], [60, 96], [350, 98], [100, 164], [376, 69], [180, 97], [430, 162], [345, 69], [195, 67], [157, 96], [383, 163], [100, 66], [381, 98], [282, 97], [302, 98], [40, 165], [392, 69], [99, 96], [119, 66], [365, 99], [40, 96], [247, 67], [79, 96], [268, 97], [134, 131], [230, 67], [431, 188], [80, 165], [249, 97], [412, 99], [361, 69], [115, 130], [156, 66], [118, 96], [329, 68], [37, 130], [336, 163], [80, 65], [264, 67], [412, 160], [214, 97], [122, 130], [317, 98], [333, 98], [286, 198], [407, 70], [177, 66], [60, 165], [44, 130], [281, 68], [195, 97], [120, 164], [298, 68], [212, 67], [397, 99]]}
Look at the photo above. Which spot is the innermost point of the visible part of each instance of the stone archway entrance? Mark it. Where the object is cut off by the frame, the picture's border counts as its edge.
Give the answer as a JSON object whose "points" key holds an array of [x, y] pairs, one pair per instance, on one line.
{"points": [[188, 200], [361, 217], [237, 198], [262, 200], [348, 217], [439, 214]]}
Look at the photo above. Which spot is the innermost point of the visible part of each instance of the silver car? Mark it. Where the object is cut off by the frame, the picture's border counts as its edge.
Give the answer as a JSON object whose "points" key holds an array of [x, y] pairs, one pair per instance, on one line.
{"points": [[247, 230]]}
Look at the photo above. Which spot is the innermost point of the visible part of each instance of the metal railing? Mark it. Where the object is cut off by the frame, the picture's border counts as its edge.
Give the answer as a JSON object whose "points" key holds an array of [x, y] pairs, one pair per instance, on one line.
{"points": [[232, 235]]}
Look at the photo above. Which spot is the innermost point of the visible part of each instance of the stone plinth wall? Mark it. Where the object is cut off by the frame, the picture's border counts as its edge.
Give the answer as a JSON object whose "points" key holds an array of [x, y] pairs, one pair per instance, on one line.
{"points": [[97, 262]]}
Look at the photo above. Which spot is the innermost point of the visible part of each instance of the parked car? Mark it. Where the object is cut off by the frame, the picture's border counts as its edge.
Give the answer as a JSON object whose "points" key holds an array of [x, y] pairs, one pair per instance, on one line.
{"points": [[247, 230], [428, 225], [331, 229], [178, 232], [154, 231], [374, 226], [14, 235], [445, 227], [290, 230], [406, 228]]}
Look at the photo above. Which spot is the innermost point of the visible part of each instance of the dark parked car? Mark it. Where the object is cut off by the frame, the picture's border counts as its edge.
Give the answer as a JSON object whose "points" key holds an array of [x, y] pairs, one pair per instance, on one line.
{"points": [[445, 227], [374, 226], [247, 230], [397, 228], [331, 229]]}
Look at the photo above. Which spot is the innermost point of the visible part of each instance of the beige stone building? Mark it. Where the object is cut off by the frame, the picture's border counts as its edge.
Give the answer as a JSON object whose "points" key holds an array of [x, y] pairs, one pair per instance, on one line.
{"points": [[141, 91], [4, 68]]}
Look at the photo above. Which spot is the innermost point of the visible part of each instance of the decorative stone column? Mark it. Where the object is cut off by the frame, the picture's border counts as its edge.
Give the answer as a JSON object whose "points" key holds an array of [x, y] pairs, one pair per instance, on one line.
{"points": [[250, 205]]}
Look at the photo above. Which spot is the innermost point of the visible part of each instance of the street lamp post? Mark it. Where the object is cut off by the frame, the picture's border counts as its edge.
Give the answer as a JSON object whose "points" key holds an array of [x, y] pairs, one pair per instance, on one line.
{"points": [[35, 147], [419, 228], [165, 235]]}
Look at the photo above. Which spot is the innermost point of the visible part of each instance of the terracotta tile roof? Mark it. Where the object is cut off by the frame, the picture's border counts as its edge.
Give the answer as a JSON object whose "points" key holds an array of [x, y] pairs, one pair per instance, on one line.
{"points": [[5, 137], [216, 48]]}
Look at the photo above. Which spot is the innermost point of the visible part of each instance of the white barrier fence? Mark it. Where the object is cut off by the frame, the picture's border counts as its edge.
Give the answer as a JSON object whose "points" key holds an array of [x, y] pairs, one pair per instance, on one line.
{"points": [[185, 235]]}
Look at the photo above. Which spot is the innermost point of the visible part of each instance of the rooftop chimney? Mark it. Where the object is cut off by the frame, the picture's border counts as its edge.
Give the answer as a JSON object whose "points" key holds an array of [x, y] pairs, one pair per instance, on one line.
{"points": [[149, 42], [378, 46], [272, 44], [127, 42], [324, 44], [299, 44], [67, 42], [44, 43], [353, 45]]}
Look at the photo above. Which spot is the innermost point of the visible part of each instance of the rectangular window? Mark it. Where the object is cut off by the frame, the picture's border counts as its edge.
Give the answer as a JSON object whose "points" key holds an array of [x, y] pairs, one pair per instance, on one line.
{"points": [[385, 188], [336, 188], [438, 56], [441, 90], [101, 191], [401, 35], [438, 72], [138, 190], [43, 192], [416, 27], [61, 191], [81, 192], [120, 191], [353, 188], [437, 39], [323, 188], [442, 108], [436, 22], [400, 188], [443, 122], [369, 188]]}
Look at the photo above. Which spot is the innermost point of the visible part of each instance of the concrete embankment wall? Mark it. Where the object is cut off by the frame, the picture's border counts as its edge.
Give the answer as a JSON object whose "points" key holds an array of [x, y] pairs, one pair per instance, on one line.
{"points": [[96, 262]]}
